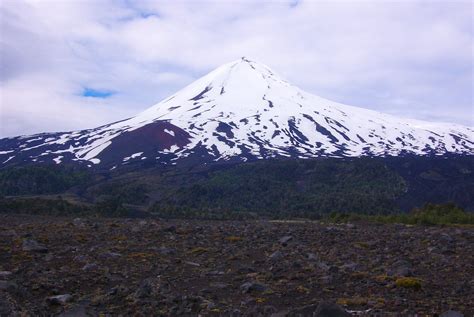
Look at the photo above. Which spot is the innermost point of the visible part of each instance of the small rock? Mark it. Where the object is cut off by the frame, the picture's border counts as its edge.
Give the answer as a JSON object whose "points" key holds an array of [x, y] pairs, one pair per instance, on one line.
{"points": [[249, 287], [110, 255], [401, 268], [166, 251], [80, 258], [219, 285], [350, 266], [331, 310], [277, 255], [33, 246], [244, 269], [322, 310], [7, 233], [192, 263], [323, 266], [312, 257], [78, 310], [7, 285], [171, 229], [119, 290], [90, 267], [209, 304], [463, 288], [446, 238], [78, 222], [451, 313], [49, 257], [327, 279], [284, 240], [59, 299], [145, 289], [213, 273], [5, 274]]}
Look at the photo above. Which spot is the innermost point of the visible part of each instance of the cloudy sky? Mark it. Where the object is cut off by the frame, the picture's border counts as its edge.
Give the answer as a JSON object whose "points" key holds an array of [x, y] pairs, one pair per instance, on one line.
{"points": [[73, 64]]}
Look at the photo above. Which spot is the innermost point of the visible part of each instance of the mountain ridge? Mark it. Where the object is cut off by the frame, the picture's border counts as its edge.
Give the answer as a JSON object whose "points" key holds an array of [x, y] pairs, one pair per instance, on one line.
{"points": [[241, 111]]}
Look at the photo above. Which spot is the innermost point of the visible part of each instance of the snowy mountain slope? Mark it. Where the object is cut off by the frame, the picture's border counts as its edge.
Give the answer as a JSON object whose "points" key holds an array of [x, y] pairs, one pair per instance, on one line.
{"points": [[241, 111]]}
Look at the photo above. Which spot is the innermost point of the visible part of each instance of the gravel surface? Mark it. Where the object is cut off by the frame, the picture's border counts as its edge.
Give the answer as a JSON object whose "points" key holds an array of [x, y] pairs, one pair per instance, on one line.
{"points": [[78, 267]]}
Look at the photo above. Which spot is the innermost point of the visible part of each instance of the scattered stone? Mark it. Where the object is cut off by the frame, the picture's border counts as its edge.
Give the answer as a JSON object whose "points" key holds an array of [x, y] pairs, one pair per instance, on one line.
{"points": [[322, 310], [110, 255], [446, 238], [451, 313], [171, 229], [90, 267], [192, 263], [277, 255], [327, 279], [59, 299], [7, 286], [78, 222], [249, 287], [80, 258], [326, 309], [5, 274], [7, 233], [152, 272], [79, 310], [31, 245], [284, 240], [245, 269], [214, 273], [145, 289], [219, 285], [401, 268], [350, 266], [312, 257], [166, 251]]}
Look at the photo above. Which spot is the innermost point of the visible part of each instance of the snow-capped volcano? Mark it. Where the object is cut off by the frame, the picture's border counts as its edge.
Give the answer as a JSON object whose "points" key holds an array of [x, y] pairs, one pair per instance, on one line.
{"points": [[241, 111]]}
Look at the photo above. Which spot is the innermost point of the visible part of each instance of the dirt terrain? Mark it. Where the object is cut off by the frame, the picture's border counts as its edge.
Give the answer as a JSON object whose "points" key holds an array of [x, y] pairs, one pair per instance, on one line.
{"points": [[109, 267]]}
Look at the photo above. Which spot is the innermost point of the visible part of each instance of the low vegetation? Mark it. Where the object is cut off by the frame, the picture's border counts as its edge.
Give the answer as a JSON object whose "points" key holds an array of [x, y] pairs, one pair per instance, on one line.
{"points": [[37, 180], [430, 214], [408, 282], [336, 190]]}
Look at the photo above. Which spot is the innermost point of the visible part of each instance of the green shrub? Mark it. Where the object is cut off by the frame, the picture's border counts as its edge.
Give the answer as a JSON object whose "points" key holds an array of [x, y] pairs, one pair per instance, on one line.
{"points": [[430, 214]]}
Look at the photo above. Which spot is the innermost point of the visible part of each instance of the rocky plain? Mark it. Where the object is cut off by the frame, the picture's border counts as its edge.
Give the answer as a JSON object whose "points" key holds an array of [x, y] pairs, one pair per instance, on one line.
{"points": [[152, 267]]}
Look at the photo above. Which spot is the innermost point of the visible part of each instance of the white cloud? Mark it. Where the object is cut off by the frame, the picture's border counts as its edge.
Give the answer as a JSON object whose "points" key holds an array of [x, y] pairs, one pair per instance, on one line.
{"points": [[411, 58]]}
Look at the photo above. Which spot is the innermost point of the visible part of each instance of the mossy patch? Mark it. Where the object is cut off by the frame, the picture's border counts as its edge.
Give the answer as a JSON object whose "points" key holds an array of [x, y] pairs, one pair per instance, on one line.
{"points": [[302, 289], [140, 256], [199, 250], [233, 238], [353, 301], [408, 282]]}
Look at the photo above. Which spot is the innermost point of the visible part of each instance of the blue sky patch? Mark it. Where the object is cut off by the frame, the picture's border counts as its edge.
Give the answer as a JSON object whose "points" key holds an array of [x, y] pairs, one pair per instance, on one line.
{"points": [[96, 93]]}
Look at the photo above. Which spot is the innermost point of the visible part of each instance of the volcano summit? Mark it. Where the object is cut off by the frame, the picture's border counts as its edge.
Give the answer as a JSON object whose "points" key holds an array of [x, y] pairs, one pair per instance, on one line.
{"points": [[240, 111]]}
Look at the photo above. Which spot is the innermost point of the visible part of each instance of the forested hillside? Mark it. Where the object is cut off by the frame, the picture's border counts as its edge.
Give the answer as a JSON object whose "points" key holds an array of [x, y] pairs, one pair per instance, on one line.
{"points": [[272, 188]]}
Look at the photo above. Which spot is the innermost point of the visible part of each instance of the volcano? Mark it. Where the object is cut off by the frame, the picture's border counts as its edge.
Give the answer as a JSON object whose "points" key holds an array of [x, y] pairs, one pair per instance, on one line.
{"points": [[241, 111]]}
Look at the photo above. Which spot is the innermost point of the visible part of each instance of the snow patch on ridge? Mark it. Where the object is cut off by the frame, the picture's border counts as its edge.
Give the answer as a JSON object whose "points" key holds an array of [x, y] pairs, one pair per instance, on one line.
{"points": [[135, 155]]}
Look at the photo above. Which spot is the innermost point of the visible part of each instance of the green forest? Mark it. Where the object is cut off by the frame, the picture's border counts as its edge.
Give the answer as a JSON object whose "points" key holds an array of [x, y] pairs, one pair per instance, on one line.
{"points": [[272, 189]]}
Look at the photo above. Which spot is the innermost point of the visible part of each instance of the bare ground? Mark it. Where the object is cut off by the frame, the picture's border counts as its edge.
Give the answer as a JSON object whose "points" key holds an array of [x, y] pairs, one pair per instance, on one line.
{"points": [[76, 267]]}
